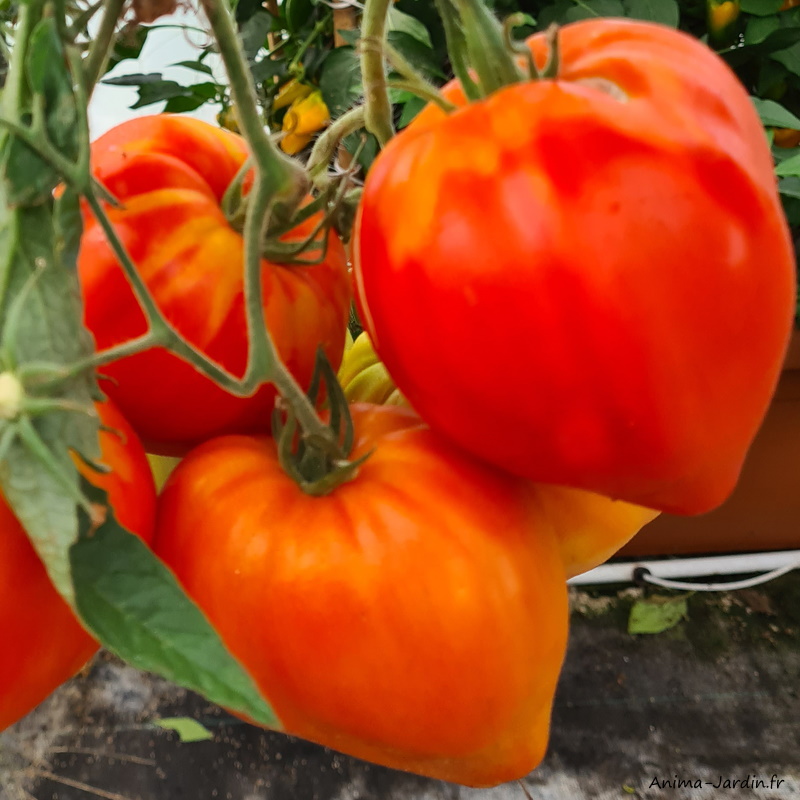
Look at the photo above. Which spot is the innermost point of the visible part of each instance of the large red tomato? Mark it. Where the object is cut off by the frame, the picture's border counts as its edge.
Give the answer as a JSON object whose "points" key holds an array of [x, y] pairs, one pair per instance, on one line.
{"points": [[43, 642], [587, 280], [415, 617], [171, 172]]}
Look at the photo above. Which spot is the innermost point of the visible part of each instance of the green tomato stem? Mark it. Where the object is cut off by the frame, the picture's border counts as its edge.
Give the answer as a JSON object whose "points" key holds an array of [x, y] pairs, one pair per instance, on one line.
{"points": [[325, 147], [102, 43], [279, 182], [378, 115], [457, 49], [414, 82]]}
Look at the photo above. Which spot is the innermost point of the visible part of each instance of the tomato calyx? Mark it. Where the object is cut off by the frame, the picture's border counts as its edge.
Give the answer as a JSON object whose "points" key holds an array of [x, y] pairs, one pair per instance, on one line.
{"points": [[318, 463], [477, 40], [284, 219]]}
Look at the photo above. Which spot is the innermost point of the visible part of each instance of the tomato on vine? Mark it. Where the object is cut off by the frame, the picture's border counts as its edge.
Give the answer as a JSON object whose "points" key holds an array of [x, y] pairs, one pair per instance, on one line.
{"points": [[171, 174], [415, 617], [605, 275]]}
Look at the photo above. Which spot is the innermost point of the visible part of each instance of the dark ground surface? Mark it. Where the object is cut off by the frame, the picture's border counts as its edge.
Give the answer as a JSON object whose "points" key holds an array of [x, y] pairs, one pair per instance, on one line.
{"points": [[716, 698]]}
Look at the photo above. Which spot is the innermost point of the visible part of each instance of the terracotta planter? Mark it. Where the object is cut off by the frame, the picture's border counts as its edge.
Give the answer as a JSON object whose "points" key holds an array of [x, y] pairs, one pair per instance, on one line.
{"points": [[764, 511]]}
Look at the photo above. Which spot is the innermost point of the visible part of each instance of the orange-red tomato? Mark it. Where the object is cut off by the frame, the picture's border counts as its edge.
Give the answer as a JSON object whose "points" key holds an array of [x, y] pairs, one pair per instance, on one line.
{"points": [[590, 527], [415, 617], [171, 173], [601, 262], [43, 642]]}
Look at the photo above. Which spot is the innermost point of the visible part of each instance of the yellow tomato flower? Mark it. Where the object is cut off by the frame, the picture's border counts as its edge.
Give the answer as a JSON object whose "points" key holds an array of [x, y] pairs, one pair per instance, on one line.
{"points": [[722, 15], [303, 119], [289, 93]]}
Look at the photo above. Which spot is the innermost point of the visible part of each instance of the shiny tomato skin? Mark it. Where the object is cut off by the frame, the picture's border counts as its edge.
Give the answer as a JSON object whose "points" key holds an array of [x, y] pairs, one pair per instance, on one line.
{"points": [[44, 644], [604, 272], [170, 173], [415, 617]]}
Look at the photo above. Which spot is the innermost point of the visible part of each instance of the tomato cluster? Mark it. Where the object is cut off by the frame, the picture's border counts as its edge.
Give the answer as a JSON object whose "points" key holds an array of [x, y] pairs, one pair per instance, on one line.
{"points": [[583, 286]]}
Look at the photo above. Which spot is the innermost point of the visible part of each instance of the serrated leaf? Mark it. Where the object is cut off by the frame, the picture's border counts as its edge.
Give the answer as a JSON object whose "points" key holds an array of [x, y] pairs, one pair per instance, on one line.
{"points": [[666, 12], [774, 114], [657, 614], [340, 82], [50, 331], [188, 729], [137, 609]]}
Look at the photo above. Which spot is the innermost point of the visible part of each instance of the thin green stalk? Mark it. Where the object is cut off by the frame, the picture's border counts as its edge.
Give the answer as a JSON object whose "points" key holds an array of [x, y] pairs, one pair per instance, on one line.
{"points": [[14, 89], [279, 180], [102, 43], [325, 147], [457, 48], [422, 87], [376, 96], [316, 31]]}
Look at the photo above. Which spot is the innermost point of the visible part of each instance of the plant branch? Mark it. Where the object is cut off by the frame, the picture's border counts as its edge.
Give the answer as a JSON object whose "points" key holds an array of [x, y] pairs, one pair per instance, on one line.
{"points": [[102, 43], [373, 36], [326, 145]]}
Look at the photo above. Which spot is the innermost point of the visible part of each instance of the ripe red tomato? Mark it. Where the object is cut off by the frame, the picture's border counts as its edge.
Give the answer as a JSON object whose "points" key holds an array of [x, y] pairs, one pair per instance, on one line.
{"points": [[171, 173], [415, 617], [44, 644], [601, 266]]}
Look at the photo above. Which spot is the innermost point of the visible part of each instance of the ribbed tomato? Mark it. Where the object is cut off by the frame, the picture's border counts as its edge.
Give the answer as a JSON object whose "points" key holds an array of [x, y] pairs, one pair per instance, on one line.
{"points": [[605, 276], [171, 173], [415, 617], [43, 642]]}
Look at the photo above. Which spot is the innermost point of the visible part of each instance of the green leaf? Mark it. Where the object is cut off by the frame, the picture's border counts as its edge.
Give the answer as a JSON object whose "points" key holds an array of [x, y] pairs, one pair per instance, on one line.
{"points": [[790, 57], [197, 66], [49, 331], [657, 614], [194, 97], [188, 730], [774, 114], [790, 187], [760, 28], [298, 14], [30, 179], [415, 52], [254, 33], [411, 108], [129, 44], [761, 8], [135, 79], [590, 9], [340, 82], [68, 227], [266, 69], [790, 168], [410, 26], [137, 609], [666, 12]]}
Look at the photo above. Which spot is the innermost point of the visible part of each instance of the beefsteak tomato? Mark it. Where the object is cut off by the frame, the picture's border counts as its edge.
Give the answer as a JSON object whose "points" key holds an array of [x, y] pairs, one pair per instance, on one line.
{"points": [[415, 617], [602, 265], [170, 173], [43, 642]]}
